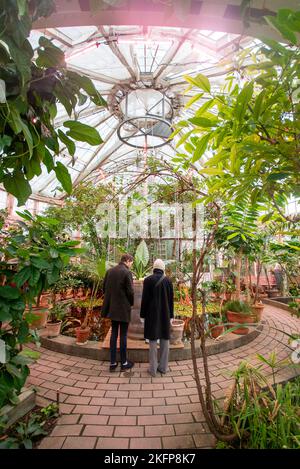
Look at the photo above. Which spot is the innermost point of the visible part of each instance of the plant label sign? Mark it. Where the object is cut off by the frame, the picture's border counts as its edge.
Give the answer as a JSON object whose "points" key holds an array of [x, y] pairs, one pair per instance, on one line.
{"points": [[2, 352]]}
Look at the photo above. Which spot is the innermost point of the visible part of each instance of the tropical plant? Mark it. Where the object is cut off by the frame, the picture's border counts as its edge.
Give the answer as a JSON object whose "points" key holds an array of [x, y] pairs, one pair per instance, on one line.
{"points": [[32, 84], [251, 126], [98, 275], [58, 312], [262, 417], [31, 261], [25, 433], [140, 266], [42, 254], [295, 308], [237, 306]]}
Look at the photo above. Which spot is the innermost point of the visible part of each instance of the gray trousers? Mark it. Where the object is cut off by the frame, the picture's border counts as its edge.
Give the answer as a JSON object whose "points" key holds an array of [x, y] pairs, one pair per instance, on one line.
{"points": [[164, 356]]}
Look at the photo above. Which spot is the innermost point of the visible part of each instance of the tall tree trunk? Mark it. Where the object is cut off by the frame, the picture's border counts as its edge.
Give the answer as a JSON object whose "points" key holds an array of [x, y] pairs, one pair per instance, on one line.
{"points": [[238, 274], [259, 267], [267, 277], [207, 401]]}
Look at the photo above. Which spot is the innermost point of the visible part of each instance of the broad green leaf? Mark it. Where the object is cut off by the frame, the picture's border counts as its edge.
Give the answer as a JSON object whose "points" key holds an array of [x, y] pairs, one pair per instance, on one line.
{"points": [[22, 7], [68, 142], [34, 276], [39, 262], [258, 106], [63, 176], [48, 160], [88, 86], [83, 132], [21, 57], [193, 100], [242, 101], [211, 171], [49, 55], [5, 315], [30, 353], [201, 147], [142, 253], [210, 103], [282, 29], [232, 235], [17, 185], [267, 217], [200, 81], [183, 138], [203, 121], [22, 276]]}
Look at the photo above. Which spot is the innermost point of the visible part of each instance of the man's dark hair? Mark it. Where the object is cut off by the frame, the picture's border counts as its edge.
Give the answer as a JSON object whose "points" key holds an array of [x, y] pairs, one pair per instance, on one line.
{"points": [[127, 258]]}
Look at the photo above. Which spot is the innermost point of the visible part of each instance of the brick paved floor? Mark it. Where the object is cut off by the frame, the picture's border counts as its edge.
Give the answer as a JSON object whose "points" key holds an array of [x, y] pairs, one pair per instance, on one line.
{"points": [[132, 410]]}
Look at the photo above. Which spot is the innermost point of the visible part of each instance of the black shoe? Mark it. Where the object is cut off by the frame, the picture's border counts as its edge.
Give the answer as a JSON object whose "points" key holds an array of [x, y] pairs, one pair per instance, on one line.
{"points": [[162, 372], [127, 366], [113, 367]]}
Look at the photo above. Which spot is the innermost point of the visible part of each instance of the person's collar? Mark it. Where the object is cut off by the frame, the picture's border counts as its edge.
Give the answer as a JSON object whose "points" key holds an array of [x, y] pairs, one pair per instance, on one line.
{"points": [[158, 271], [122, 263]]}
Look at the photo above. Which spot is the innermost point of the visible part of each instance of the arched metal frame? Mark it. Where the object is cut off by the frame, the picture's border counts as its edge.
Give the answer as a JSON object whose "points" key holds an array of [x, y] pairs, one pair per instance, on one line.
{"points": [[143, 134]]}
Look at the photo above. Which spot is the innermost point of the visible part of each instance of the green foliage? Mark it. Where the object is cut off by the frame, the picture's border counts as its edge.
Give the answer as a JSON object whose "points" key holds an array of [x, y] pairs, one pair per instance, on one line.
{"points": [[39, 254], [140, 266], [253, 128], [216, 286], [33, 86], [58, 312], [295, 307], [237, 307], [25, 433], [263, 417]]}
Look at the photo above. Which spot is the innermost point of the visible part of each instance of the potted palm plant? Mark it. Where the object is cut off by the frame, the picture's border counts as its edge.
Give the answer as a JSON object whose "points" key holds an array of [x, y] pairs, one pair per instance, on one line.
{"points": [[56, 315], [216, 325], [98, 271], [238, 312]]}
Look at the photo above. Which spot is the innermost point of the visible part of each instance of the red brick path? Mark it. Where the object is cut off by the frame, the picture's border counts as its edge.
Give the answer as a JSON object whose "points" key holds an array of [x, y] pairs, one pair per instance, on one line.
{"points": [[133, 410]]}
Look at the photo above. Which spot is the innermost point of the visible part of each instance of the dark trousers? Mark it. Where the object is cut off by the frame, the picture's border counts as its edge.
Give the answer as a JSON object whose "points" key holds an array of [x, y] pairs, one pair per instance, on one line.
{"points": [[123, 341]]}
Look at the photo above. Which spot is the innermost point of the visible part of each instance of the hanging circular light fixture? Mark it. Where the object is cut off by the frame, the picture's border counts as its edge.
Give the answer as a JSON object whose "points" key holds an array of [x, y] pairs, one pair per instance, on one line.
{"points": [[147, 117]]}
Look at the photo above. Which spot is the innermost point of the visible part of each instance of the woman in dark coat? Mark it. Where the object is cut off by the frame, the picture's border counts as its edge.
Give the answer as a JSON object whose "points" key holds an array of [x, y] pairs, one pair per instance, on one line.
{"points": [[157, 309]]}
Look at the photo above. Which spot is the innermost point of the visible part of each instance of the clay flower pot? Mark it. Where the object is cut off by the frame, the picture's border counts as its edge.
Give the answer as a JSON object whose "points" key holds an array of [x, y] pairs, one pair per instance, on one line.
{"points": [[216, 330], [239, 318], [53, 328], [41, 317], [82, 335], [257, 311], [176, 331]]}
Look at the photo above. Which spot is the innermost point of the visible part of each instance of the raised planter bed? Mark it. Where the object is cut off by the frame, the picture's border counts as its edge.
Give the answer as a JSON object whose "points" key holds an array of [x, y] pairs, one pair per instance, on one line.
{"points": [[94, 350], [15, 412]]}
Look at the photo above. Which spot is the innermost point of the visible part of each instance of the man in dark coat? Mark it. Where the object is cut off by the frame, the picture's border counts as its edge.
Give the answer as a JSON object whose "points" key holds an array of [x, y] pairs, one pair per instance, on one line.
{"points": [[157, 309], [118, 300]]}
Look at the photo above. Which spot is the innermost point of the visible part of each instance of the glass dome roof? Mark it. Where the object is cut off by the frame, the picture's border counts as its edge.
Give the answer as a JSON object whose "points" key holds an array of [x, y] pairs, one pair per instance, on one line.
{"points": [[121, 60]]}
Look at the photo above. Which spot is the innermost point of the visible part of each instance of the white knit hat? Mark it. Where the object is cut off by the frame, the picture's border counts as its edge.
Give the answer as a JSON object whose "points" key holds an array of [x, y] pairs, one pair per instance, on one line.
{"points": [[159, 264]]}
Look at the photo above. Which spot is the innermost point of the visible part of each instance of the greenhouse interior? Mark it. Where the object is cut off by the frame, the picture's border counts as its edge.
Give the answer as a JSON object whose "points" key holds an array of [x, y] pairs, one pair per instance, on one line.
{"points": [[149, 225]]}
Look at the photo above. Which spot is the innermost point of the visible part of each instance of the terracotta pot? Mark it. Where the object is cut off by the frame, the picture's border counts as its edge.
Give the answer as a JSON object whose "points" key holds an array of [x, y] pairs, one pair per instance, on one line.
{"points": [[238, 318], [82, 335], [42, 316], [257, 311], [216, 330], [176, 331], [44, 301], [53, 328]]}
